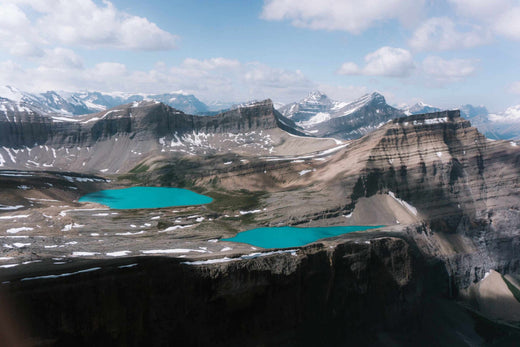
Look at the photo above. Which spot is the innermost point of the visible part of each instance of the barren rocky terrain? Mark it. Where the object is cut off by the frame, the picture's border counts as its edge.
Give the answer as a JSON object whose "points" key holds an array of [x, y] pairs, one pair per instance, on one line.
{"points": [[447, 196]]}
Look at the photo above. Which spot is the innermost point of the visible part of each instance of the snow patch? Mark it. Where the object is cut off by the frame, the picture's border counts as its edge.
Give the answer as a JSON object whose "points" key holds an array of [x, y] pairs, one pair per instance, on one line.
{"points": [[436, 120], [84, 254], [249, 212], [128, 233], [69, 227], [404, 203], [243, 257], [9, 208], [60, 275], [176, 227], [20, 244], [118, 253], [173, 251], [17, 230], [19, 216]]}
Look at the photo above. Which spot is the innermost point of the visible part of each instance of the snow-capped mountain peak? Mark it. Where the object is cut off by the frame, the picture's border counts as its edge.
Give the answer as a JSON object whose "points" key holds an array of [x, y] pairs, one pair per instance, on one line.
{"points": [[322, 116], [11, 93], [316, 97], [418, 108], [78, 103]]}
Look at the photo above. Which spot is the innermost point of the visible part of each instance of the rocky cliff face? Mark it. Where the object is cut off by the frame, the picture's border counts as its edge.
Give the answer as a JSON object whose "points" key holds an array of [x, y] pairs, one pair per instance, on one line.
{"points": [[464, 187], [122, 136], [349, 294], [459, 189], [146, 120]]}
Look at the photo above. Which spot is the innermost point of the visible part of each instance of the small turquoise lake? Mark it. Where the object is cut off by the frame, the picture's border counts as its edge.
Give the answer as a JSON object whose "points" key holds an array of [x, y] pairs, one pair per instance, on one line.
{"points": [[146, 197], [283, 237]]}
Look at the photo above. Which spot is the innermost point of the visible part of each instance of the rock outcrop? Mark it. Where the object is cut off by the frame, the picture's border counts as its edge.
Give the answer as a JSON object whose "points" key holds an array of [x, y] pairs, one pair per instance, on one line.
{"points": [[350, 294]]}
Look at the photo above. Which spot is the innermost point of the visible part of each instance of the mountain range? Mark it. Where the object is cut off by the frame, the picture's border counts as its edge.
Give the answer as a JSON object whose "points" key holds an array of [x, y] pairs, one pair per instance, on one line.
{"points": [[79, 103], [315, 115], [444, 197], [320, 116], [502, 126]]}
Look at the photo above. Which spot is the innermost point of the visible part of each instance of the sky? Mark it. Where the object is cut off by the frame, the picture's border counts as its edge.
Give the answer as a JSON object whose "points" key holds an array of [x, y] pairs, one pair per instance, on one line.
{"points": [[442, 52]]}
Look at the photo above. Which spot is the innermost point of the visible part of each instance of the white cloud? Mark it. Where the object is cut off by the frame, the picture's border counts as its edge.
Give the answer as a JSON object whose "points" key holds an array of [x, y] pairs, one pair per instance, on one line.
{"points": [[212, 79], [211, 64], [349, 68], [511, 114], [266, 75], [502, 17], [442, 33], [353, 16], [12, 17], [87, 24], [481, 9], [108, 70], [508, 24], [452, 70], [62, 57], [17, 37], [344, 93], [386, 61]]}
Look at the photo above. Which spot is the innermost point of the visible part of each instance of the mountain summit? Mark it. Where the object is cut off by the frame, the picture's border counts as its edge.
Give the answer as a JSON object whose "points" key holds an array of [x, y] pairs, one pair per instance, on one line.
{"points": [[321, 116]]}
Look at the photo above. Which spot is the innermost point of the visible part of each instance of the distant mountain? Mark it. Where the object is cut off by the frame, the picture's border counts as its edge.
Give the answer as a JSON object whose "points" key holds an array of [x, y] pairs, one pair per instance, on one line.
{"points": [[469, 111], [320, 116], [217, 106], [501, 126], [312, 109], [419, 108], [79, 103], [44, 103]]}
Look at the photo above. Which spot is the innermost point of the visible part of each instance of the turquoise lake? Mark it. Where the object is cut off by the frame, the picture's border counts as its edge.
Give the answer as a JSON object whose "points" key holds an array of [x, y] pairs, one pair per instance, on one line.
{"points": [[146, 197], [283, 237]]}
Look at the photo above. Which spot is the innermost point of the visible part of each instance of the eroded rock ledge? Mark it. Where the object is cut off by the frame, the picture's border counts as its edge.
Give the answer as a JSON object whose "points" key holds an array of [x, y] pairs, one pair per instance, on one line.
{"points": [[349, 292]]}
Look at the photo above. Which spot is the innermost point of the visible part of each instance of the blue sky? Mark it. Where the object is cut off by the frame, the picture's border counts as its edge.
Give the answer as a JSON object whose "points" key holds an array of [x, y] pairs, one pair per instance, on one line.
{"points": [[443, 52]]}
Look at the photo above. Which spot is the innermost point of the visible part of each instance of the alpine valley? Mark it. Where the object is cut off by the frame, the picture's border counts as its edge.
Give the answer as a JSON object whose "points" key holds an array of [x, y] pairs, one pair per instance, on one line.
{"points": [[441, 267]]}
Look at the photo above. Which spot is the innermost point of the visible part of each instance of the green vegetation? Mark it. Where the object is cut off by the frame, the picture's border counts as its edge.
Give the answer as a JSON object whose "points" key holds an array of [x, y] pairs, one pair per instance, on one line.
{"points": [[177, 172], [513, 289], [140, 169], [162, 224], [234, 200]]}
